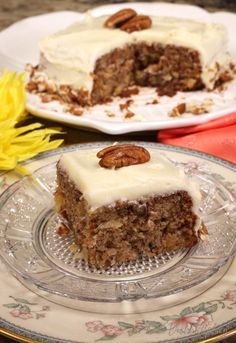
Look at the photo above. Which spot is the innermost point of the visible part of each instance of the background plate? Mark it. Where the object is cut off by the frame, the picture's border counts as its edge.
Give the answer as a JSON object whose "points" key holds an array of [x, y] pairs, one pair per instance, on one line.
{"points": [[18, 49]]}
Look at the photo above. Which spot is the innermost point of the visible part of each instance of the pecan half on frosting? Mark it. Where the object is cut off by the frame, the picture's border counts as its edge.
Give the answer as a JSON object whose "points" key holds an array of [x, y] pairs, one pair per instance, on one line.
{"points": [[128, 20], [120, 17], [137, 23], [122, 155]]}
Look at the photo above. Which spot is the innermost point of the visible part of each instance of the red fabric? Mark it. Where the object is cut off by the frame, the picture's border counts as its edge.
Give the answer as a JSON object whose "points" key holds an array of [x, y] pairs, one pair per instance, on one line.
{"points": [[217, 137]]}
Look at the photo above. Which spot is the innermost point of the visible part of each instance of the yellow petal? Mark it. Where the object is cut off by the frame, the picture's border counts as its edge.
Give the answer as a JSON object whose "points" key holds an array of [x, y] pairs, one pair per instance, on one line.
{"points": [[21, 142], [12, 96]]}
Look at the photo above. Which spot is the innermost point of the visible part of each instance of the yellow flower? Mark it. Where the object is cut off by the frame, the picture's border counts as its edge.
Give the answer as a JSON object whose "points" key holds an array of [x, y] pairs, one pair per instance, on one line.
{"points": [[12, 96], [17, 142]]}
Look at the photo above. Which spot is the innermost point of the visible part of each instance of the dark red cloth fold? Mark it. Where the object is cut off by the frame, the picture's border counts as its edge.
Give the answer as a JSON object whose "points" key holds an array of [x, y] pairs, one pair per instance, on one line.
{"points": [[216, 137]]}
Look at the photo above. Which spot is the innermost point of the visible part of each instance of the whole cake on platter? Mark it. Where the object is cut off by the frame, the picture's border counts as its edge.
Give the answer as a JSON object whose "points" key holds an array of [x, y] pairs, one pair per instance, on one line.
{"points": [[99, 58], [125, 201]]}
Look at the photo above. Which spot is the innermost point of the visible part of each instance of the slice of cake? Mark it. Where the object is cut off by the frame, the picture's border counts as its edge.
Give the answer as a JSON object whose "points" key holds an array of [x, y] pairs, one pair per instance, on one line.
{"points": [[100, 57], [125, 201]]}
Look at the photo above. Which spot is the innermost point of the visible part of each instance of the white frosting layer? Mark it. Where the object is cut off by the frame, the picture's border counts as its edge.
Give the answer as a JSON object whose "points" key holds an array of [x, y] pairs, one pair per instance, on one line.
{"points": [[69, 57], [101, 186]]}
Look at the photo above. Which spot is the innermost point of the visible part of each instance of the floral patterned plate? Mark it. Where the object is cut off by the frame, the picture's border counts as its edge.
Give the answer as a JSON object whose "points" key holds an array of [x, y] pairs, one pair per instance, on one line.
{"points": [[25, 315]]}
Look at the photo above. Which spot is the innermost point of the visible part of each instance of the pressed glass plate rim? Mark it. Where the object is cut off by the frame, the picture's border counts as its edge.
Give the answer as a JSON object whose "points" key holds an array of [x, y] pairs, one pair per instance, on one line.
{"points": [[88, 145], [153, 145]]}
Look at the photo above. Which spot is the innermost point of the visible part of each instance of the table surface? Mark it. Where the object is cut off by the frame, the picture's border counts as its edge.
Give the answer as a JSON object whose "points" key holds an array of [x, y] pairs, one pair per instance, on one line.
{"points": [[14, 10]]}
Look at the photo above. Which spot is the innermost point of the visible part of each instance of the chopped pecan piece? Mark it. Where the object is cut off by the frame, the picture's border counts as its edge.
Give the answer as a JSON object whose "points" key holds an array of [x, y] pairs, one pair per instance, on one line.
{"points": [[153, 102], [45, 98], [122, 155], [126, 105], [120, 17], [202, 232], [129, 92], [31, 86], [137, 23], [181, 108], [178, 110], [75, 110], [129, 114], [63, 230]]}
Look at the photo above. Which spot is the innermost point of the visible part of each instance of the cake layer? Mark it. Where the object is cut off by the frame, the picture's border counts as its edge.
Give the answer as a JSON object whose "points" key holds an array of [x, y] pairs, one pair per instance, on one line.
{"points": [[122, 232], [132, 202], [69, 57]]}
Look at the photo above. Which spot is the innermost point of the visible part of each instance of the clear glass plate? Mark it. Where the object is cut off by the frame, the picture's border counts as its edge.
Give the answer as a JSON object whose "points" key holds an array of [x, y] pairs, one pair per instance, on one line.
{"points": [[50, 264]]}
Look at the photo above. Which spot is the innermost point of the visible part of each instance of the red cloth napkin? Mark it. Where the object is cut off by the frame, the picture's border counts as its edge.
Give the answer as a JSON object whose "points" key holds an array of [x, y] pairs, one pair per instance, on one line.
{"points": [[217, 137]]}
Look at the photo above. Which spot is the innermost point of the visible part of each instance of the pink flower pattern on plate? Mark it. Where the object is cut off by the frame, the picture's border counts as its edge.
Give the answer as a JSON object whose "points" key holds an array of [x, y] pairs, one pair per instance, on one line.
{"points": [[190, 323], [107, 330], [21, 308], [20, 314], [189, 320], [230, 295], [112, 330], [94, 326]]}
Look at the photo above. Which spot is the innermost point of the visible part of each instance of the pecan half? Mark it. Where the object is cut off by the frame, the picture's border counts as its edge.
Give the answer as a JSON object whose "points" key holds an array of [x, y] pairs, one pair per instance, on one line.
{"points": [[122, 155], [120, 17], [111, 148], [137, 23]]}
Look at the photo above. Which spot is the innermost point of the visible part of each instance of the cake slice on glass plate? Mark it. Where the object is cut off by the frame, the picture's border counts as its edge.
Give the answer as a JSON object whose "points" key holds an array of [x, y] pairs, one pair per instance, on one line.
{"points": [[125, 201]]}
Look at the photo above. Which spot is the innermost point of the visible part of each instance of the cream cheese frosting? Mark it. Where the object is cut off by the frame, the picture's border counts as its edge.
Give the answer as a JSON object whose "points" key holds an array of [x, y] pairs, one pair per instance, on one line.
{"points": [[69, 56], [101, 186]]}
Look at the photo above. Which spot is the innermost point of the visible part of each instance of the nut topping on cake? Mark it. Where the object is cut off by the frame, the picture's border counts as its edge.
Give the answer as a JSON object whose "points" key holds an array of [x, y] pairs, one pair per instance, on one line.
{"points": [[63, 230], [122, 155], [137, 23], [128, 20], [120, 17], [202, 232]]}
